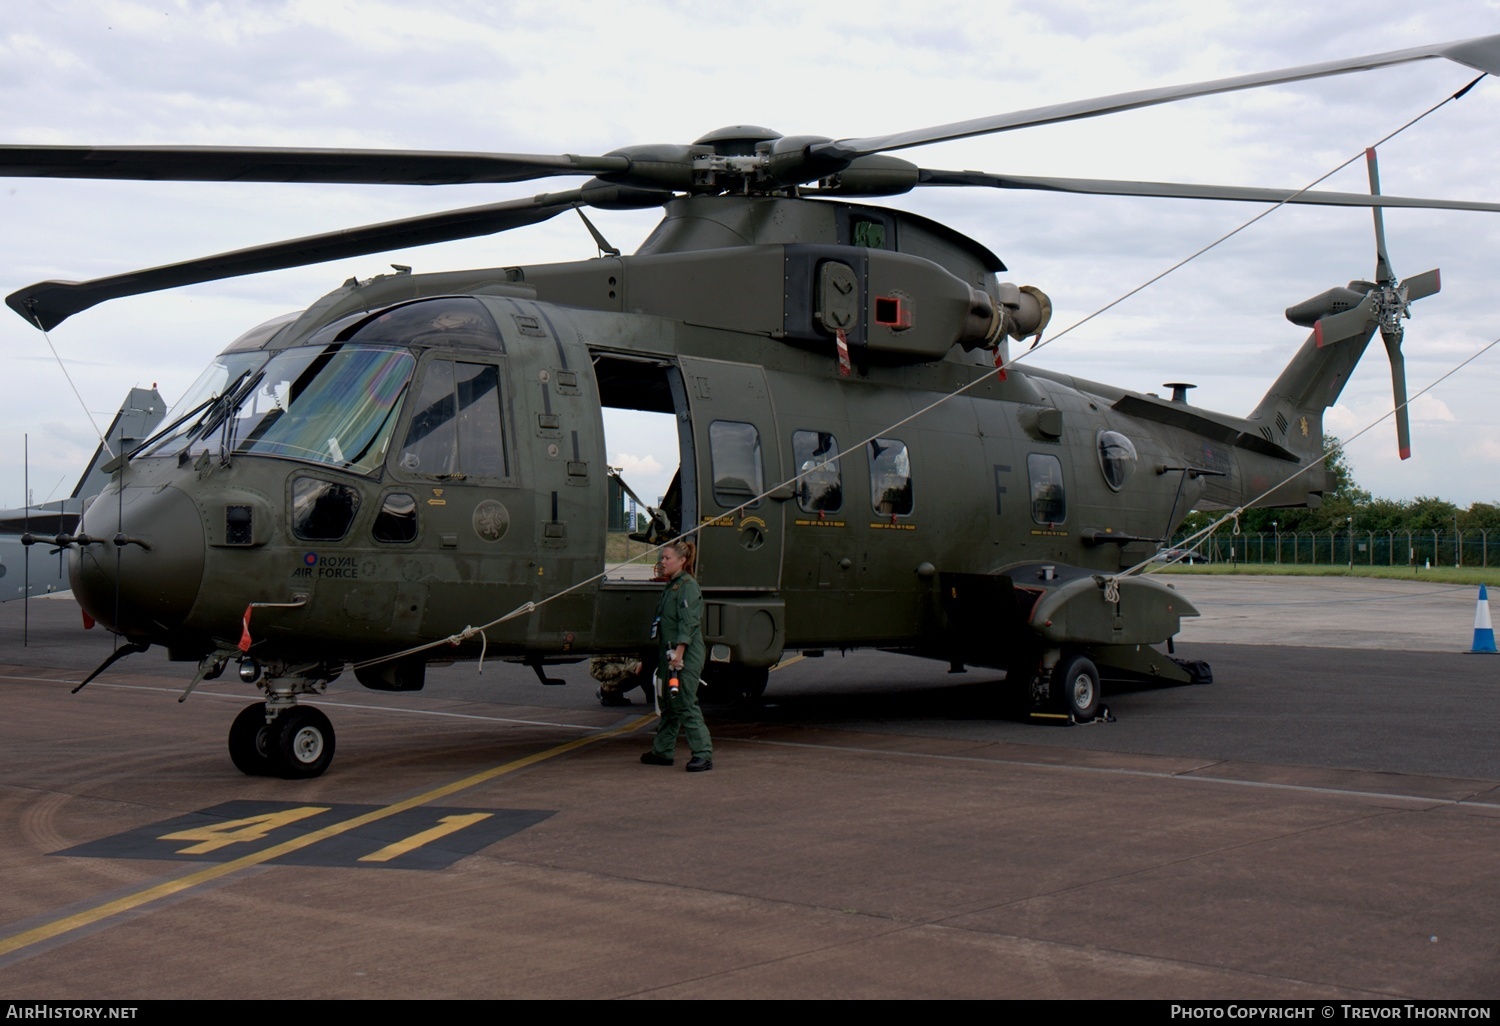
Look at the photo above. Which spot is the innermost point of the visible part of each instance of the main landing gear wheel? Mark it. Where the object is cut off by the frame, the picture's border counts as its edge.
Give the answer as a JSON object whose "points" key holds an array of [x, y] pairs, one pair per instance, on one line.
{"points": [[303, 742], [1076, 681], [250, 740], [733, 685]]}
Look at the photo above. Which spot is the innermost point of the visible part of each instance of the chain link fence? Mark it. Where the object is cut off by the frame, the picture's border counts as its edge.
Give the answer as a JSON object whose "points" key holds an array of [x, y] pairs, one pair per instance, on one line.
{"points": [[1351, 548]]}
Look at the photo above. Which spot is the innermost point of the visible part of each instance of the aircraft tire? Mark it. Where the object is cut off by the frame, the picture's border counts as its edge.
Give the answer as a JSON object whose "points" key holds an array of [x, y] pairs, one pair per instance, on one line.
{"points": [[1077, 681], [250, 741], [304, 743], [753, 684], [733, 685]]}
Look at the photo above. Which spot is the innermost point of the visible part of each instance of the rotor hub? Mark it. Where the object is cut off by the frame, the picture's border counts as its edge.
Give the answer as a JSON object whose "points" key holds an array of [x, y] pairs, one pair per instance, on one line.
{"points": [[737, 140]]}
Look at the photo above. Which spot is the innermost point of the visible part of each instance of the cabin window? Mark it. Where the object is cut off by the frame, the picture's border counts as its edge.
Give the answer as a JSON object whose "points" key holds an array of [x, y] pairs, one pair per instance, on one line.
{"points": [[456, 429], [820, 487], [1116, 458], [1049, 503], [322, 510], [397, 519], [890, 477], [734, 449]]}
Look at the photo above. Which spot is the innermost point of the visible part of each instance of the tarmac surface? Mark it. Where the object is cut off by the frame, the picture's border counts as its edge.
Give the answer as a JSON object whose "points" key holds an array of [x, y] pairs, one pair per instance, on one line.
{"points": [[1320, 823]]}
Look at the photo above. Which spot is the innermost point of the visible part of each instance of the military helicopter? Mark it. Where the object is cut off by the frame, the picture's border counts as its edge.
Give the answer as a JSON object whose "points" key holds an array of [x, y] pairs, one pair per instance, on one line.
{"points": [[358, 484]]}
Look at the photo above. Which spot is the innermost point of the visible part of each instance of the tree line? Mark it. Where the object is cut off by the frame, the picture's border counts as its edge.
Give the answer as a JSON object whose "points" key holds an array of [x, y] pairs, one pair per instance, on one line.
{"points": [[1347, 500]]}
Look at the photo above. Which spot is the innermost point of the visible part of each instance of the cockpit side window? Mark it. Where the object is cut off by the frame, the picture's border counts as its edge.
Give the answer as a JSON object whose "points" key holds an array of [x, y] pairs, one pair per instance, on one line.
{"points": [[322, 510], [456, 429], [397, 520]]}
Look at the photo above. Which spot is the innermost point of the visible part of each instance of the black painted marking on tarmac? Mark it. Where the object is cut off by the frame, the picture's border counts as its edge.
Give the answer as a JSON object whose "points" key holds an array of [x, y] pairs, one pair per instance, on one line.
{"points": [[427, 837]]}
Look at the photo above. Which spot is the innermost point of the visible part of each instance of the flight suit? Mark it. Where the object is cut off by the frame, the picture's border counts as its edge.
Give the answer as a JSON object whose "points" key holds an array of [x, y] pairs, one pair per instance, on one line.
{"points": [[679, 621]]}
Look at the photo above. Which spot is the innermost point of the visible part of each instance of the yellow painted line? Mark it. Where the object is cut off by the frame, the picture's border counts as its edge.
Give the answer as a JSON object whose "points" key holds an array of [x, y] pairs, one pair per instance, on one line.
{"points": [[788, 662], [447, 825], [58, 927]]}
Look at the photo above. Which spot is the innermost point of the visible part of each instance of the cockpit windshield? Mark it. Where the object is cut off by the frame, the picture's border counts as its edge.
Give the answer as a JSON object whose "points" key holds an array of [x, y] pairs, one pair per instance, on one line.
{"points": [[199, 404], [333, 404]]}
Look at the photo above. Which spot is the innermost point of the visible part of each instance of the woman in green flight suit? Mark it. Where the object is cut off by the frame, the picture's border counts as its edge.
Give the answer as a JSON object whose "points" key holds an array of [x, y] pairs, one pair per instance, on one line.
{"points": [[679, 636]]}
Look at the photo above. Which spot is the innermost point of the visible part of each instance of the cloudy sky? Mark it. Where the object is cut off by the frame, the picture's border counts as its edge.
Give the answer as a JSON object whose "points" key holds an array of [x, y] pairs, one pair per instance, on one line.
{"points": [[585, 77]]}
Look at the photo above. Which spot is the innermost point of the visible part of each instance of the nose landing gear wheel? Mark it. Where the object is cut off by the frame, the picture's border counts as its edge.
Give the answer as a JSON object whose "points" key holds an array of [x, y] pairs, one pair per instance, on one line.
{"points": [[250, 742], [303, 743]]}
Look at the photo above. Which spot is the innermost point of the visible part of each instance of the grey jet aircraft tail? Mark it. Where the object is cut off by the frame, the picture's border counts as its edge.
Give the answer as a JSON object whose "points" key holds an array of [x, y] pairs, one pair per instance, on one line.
{"points": [[45, 571]]}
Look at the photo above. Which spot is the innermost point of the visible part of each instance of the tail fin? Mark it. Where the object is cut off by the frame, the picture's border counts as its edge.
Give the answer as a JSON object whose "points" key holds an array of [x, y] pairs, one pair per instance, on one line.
{"points": [[1291, 412], [139, 414]]}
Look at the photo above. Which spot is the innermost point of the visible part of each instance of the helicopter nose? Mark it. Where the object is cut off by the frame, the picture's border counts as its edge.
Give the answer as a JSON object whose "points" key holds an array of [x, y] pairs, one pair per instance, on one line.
{"points": [[141, 575]]}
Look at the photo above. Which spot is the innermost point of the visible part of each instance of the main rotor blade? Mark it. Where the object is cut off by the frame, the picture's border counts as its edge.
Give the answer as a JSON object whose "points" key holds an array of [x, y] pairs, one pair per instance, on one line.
{"points": [[265, 164], [1383, 273], [1481, 53], [49, 303], [1177, 190]]}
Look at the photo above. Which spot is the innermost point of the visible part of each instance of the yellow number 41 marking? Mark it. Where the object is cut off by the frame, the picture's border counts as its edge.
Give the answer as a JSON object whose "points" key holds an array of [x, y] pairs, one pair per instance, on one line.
{"points": [[236, 831]]}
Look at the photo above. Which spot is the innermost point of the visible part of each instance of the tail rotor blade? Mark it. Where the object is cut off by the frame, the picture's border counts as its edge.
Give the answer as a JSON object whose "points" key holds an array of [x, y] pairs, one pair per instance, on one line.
{"points": [[1398, 390], [1393, 307], [1420, 286]]}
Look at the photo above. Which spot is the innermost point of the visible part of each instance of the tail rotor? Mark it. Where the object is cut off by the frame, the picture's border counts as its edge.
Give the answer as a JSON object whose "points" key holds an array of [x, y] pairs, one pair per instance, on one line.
{"points": [[1343, 314], [1393, 306]]}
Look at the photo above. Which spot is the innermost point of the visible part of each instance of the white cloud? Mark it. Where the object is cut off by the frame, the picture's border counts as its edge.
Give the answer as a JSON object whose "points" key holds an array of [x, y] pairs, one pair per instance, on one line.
{"points": [[1427, 409], [631, 465], [1484, 451]]}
